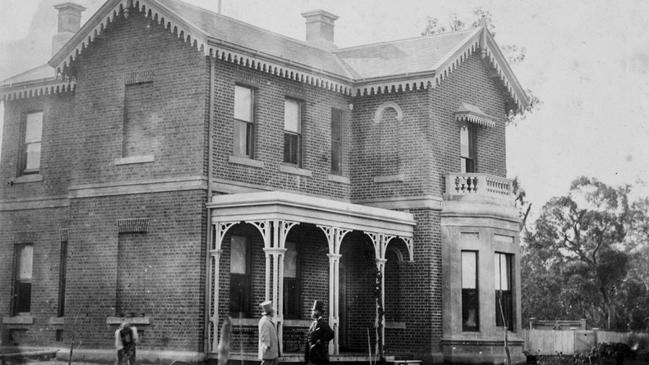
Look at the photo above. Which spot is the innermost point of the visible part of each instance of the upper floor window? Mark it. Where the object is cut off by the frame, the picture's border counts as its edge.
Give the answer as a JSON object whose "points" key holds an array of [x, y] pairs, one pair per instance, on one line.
{"points": [[244, 121], [336, 141], [292, 131], [138, 120], [467, 146], [22, 289], [503, 284], [470, 300], [30, 156]]}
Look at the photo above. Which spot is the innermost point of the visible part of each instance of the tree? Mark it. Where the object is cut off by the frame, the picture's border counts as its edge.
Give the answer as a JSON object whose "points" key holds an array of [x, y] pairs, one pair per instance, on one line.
{"points": [[581, 260]]}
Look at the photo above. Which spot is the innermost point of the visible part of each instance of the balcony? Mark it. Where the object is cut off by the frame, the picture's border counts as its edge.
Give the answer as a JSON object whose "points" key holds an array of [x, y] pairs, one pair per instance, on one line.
{"points": [[474, 194]]}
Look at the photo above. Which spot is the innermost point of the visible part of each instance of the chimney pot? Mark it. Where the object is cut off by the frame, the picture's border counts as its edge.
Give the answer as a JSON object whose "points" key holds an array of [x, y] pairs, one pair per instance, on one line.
{"points": [[69, 22], [320, 28]]}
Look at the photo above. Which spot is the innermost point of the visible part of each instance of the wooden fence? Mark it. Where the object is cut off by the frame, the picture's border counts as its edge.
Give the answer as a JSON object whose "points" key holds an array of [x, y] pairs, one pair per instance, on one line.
{"points": [[553, 342]]}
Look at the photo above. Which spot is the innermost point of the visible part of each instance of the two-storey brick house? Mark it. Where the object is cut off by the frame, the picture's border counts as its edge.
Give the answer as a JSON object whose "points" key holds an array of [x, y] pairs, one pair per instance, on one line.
{"points": [[174, 166]]}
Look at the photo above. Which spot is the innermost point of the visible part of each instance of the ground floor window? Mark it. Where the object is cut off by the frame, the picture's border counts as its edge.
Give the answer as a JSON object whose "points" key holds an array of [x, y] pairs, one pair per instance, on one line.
{"points": [[240, 277], [22, 290], [503, 284], [470, 301], [291, 282]]}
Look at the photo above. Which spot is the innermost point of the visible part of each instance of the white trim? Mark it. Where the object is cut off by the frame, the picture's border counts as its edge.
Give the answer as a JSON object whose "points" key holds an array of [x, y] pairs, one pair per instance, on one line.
{"points": [[413, 202], [134, 159], [28, 178], [56, 321], [140, 321], [21, 319], [246, 161], [279, 205], [338, 178], [139, 187], [293, 170], [37, 203]]}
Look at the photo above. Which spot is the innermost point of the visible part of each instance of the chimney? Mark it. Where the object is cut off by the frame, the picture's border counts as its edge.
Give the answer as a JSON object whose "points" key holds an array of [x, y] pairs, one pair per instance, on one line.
{"points": [[69, 23], [320, 28]]}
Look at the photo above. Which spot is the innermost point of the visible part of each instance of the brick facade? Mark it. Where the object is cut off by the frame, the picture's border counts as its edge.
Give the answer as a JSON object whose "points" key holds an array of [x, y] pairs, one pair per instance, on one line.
{"points": [[155, 268]]}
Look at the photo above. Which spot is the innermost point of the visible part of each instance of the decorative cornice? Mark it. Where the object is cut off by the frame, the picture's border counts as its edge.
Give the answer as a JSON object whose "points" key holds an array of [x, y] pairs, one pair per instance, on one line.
{"points": [[8, 92]]}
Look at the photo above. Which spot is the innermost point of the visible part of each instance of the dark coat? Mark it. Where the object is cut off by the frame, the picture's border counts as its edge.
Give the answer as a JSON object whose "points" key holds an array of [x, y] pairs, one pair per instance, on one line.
{"points": [[317, 342]]}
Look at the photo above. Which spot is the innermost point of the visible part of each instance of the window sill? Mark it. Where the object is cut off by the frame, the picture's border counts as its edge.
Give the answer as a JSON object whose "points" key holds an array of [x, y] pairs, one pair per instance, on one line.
{"points": [[246, 322], [395, 325], [56, 321], [140, 321], [302, 323], [241, 160], [19, 319], [389, 178], [295, 170], [338, 178], [28, 178], [134, 159]]}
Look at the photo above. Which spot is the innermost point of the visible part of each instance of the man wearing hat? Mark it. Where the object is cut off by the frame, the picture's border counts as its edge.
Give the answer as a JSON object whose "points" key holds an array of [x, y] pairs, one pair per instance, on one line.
{"points": [[268, 342], [318, 337]]}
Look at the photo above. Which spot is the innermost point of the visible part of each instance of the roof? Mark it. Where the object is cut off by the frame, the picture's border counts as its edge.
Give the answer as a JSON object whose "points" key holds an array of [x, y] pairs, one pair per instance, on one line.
{"points": [[407, 64], [406, 56], [43, 72]]}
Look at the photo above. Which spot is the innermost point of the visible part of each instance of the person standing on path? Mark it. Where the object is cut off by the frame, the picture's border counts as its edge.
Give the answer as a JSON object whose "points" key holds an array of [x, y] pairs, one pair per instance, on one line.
{"points": [[268, 342], [125, 340], [318, 337]]}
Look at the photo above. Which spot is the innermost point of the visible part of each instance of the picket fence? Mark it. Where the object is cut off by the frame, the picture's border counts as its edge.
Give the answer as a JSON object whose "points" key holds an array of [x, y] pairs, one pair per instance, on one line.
{"points": [[553, 342]]}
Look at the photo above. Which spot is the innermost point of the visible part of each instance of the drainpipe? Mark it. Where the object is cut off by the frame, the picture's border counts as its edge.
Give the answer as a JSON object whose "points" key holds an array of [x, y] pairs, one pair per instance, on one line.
{"points": [[208, 282]]}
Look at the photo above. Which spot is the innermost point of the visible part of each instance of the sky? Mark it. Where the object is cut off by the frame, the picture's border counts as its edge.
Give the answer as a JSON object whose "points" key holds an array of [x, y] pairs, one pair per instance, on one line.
{"points": [[588, 62]]}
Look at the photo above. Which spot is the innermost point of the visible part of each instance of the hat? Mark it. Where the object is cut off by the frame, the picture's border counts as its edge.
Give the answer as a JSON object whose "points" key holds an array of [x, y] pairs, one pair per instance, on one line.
{"points": [[266, 305], [318, 306]]}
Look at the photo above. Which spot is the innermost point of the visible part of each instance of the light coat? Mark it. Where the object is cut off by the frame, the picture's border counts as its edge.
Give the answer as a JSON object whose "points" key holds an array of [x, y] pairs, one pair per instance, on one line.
{"points": [[268, 342]]}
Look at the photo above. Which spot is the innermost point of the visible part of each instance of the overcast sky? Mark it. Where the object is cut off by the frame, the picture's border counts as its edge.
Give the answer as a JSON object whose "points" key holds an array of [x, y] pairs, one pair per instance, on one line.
{"points": [[588, 61]]}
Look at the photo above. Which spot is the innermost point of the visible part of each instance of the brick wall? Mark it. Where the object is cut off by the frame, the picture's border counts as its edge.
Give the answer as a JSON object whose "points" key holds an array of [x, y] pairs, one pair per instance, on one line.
{"points": [[469, 83], [57, 142], [411, 138], [139, 49], [270, 92], [168, 262], [41, 228]]}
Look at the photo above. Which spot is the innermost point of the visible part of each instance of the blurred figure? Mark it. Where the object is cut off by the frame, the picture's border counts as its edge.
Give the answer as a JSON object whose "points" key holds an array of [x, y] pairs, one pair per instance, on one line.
{"points": [[223, 349], [268, 341], [125, 340]]}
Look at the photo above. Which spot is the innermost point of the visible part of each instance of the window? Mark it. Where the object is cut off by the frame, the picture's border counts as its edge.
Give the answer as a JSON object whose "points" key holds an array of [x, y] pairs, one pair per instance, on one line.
{"points": [[292, 131], [239, 276], [62, 268], [23, 263], [138, 120], [30, 157], [244, 118], [503, 284], [336, 141], [470, 300], [291, 282], [467, 145]]}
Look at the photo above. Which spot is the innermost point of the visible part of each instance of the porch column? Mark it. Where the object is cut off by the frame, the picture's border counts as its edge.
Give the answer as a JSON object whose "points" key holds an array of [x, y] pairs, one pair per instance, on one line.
{"points": [[380, 316], [215, 262], [334, 271]]}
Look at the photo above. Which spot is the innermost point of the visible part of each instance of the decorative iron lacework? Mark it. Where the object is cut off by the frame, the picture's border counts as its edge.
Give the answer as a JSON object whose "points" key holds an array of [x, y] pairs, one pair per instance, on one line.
{"points": [[134, 225], [473, 114]]}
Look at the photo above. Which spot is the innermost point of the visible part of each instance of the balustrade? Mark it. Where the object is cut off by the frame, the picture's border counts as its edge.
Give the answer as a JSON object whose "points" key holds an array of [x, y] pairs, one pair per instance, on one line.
{"points": [[478, 184]]}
